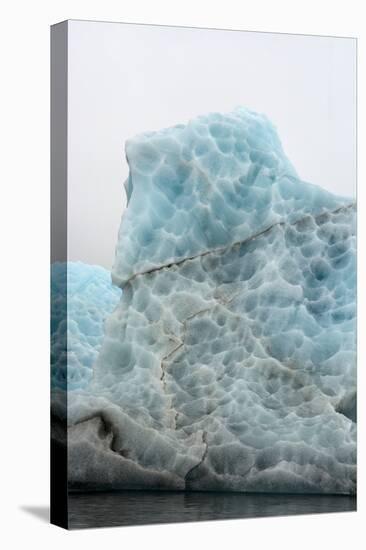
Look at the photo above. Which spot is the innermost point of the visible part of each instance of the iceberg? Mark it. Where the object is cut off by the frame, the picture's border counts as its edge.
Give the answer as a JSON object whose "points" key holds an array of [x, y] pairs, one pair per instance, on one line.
{"points": [[229, 361], [82, 296]]}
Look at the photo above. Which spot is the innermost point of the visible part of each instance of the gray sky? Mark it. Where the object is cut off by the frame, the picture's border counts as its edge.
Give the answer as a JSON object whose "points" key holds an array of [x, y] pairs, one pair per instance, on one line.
{"points": [[125, 79]]}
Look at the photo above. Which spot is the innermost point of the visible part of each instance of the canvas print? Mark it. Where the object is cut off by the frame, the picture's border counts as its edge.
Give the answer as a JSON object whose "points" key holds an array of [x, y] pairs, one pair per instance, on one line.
{"points": [[203, 275]]}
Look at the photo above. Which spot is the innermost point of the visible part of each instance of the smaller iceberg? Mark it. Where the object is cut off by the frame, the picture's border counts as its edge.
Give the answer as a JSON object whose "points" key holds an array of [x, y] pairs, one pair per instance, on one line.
{"points": [[82, 296]]}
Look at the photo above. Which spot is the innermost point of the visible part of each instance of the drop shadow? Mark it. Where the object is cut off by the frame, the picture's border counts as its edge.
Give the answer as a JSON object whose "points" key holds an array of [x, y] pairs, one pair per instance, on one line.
{"points": [[40, 512]]}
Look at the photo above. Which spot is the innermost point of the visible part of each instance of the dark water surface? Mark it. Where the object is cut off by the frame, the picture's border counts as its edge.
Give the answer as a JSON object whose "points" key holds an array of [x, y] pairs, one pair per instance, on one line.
{"points": [[148, 507]]}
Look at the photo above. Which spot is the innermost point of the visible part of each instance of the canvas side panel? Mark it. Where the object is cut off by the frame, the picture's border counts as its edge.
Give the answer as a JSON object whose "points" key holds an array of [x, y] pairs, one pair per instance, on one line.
{"points": [[59, 82]]}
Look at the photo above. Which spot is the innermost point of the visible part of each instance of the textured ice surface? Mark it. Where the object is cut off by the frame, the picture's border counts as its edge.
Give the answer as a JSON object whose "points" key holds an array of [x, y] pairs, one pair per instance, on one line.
{"points": [[229, 363], [216, 181], [82, 296]]}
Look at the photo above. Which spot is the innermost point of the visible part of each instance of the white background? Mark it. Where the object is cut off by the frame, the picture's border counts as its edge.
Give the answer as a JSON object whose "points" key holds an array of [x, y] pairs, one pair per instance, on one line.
{"points": [[24, 272], [127, 79]]}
